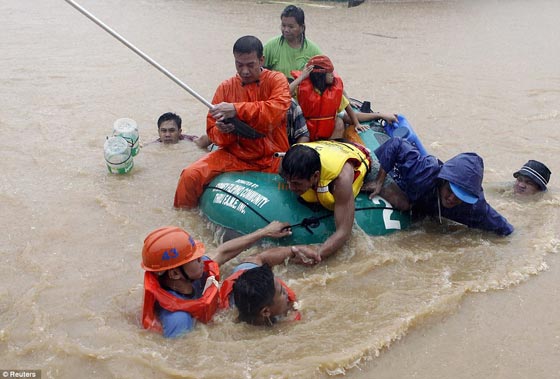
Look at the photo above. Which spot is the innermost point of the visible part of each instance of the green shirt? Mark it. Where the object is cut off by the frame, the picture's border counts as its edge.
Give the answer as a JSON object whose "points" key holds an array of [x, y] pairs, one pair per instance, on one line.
{"points": [[280, 56]]}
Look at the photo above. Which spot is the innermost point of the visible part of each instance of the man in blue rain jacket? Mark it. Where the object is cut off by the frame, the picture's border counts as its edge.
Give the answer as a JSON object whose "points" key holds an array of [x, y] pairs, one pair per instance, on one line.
{"points": [[452, 190]]}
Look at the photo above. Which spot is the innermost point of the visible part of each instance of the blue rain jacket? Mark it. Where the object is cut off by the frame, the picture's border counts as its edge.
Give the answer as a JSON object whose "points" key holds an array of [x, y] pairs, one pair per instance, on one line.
{"points": [[418, 177]]}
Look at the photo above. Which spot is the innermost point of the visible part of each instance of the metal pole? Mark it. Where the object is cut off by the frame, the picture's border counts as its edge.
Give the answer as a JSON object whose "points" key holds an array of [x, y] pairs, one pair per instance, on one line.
{"points": [[140, 53]]}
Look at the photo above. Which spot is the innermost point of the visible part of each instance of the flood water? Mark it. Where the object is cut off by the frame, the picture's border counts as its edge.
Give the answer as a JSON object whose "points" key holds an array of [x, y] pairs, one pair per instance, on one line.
{"points": [[431, 301]]}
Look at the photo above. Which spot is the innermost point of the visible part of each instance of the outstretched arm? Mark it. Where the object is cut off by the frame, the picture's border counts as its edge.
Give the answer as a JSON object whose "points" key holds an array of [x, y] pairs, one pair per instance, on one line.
{"points": [[480, 215], [278, 255], [232, 248], [343, 212], [389, 117]]}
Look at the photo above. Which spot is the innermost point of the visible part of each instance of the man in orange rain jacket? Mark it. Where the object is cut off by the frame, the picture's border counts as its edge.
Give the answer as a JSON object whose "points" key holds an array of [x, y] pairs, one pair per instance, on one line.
{"points": [[255, 96]]}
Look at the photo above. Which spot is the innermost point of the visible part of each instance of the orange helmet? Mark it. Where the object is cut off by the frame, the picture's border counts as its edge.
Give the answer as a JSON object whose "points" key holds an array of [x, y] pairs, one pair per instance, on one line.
{"points": [[169, 247]]}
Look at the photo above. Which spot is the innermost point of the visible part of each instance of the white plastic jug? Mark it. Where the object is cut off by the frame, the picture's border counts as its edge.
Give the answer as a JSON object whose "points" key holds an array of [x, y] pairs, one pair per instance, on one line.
{"points": [[127, 128], [118, 155]]}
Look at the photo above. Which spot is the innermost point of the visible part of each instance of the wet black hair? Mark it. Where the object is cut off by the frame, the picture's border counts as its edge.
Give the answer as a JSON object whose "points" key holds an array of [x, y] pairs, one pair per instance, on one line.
{"points": [[253, 290], [168, 117], [299, 15], [300, 162], [319, 80], [248, 45]]}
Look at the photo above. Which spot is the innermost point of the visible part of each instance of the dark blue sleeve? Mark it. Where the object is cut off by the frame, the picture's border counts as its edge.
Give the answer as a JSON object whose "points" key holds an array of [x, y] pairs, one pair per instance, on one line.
{"points": [[395, 152], [480, 216], [414, 173]]}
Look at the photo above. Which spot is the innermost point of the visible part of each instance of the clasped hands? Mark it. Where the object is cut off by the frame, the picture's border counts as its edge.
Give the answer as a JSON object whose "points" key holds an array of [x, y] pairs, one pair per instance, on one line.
{"points": [[223, 111]]}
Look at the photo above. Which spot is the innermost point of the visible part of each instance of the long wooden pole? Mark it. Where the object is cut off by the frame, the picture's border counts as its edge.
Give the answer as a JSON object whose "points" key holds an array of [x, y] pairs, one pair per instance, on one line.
{"points": [[139, 52]]}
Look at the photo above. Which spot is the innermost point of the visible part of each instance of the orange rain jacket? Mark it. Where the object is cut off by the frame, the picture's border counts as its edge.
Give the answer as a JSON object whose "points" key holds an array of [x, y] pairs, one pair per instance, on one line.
{"points": [[261, 105]]}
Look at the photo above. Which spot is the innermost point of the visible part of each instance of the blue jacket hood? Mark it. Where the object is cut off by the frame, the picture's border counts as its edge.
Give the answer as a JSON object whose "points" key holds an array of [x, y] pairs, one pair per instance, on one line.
{"points": [[465, 170]]}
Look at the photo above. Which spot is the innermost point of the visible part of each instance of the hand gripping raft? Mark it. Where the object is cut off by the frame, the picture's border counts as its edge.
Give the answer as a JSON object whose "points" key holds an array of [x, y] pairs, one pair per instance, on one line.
{"points": [[241, 128]]}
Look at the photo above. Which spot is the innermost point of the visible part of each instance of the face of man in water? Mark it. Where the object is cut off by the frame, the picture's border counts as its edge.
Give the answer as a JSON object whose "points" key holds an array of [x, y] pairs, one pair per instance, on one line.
{"points": [[248, 66], [280, 303], [169, 132], [194, 269], [525, 186], [448, 198]]}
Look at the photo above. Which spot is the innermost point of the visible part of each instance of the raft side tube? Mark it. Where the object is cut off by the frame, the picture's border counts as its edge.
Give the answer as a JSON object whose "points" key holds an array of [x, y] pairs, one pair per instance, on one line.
{"points": [[247, 201]]}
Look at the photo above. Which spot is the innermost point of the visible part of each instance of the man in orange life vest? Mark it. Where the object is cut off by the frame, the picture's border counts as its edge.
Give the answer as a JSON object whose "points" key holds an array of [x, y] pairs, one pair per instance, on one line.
{"points": [[257, 97], [181, 282]]}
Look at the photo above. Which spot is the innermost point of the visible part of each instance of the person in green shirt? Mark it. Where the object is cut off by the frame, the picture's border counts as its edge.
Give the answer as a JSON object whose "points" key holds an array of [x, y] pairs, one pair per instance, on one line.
{"points": [[291, 50]]}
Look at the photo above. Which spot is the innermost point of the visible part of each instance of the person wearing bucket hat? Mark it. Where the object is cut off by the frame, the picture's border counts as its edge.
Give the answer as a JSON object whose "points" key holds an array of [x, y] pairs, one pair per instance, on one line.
{"points": [[451, 190], [181, 281], [532, 178], [320, 94]]}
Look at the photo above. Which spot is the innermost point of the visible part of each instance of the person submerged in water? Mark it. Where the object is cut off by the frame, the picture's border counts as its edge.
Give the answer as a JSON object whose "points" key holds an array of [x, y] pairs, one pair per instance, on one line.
{"points": [[180, 280], [531, 179], [169, 129], [259, 296]]}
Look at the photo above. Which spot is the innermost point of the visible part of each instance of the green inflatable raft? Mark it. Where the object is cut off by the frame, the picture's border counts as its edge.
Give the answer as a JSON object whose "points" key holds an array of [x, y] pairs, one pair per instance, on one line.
{"points": [[245, 201]]}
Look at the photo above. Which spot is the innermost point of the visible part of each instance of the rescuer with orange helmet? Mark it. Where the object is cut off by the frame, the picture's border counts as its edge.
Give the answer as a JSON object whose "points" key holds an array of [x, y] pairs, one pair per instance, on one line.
{"points": [[181, 282], [176, 273]]}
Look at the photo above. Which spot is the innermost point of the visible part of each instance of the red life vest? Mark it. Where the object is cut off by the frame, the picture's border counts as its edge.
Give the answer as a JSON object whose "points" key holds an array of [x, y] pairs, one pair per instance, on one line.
{"points": [[227, 288], [201, 309], [319, 110]]}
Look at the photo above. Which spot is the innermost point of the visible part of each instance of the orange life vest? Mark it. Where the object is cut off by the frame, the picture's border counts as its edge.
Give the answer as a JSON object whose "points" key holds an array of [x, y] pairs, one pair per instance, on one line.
{"points": [[201, 309], [319, 110], [227, 287]]}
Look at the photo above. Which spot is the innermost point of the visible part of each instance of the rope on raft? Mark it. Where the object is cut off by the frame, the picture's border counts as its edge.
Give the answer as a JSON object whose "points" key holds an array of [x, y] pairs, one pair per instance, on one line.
{"points": [[242, 201], [307, 223]]}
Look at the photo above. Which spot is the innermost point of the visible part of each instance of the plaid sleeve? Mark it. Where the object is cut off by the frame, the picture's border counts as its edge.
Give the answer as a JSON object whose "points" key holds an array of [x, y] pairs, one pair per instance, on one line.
{"points": [[297, 127]]}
